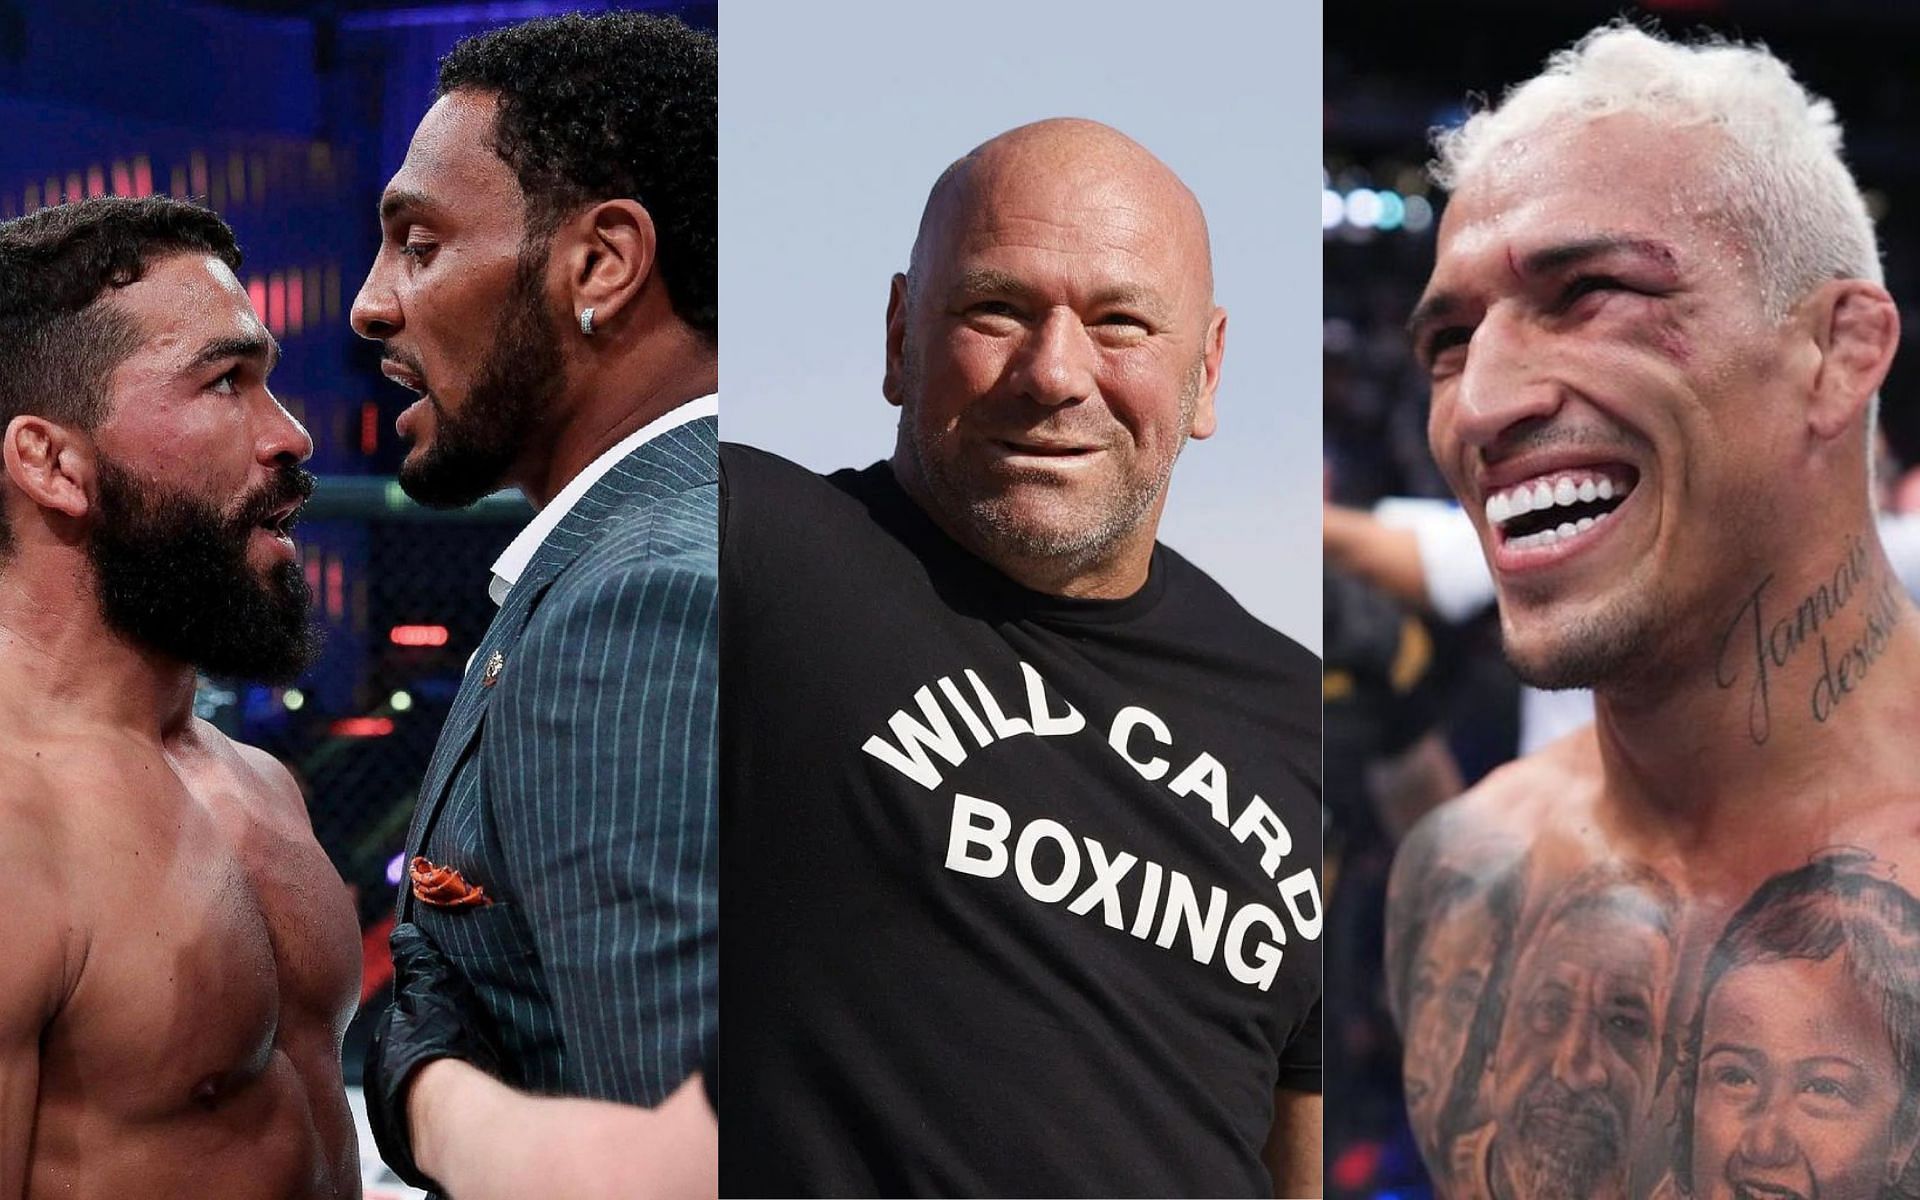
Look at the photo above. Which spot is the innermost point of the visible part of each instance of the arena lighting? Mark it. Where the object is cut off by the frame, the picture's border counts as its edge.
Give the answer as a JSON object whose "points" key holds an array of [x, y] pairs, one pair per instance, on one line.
{"points": [[396, 867], [1332, 211], [1393, 210], [293, 699], [400, 701], [361, 727], [418, 635], [1363, 208], [1419, 215]]}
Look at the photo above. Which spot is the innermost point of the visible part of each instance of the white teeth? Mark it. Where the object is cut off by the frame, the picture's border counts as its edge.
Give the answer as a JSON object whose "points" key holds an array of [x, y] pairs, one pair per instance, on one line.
{"points": [[1566, 529], [1541, 495], [1583, 524]]}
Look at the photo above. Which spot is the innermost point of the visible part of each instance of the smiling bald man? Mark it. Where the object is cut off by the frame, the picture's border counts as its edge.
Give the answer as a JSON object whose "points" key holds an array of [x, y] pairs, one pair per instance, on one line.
{"points": [[1020, 810]]}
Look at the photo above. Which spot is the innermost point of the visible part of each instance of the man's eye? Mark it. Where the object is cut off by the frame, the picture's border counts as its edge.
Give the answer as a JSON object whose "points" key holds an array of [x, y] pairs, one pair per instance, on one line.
{"points": [[417, 251], [1442, 340], [992, 308], [1588, 284], [227, 384], [1730, 1076]]}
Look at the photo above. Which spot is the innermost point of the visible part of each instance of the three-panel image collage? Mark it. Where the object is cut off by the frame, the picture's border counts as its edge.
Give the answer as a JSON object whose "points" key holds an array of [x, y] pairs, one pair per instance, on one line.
{"points": [[471, 729]]}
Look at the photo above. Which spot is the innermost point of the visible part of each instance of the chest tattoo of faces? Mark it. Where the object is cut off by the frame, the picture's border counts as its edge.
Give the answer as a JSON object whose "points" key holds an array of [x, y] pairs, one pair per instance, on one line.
{"points": [[1594, 1034]]}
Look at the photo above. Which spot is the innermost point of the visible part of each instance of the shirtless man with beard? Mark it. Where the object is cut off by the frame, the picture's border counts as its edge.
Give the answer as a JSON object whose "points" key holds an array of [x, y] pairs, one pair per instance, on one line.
{"points": [[181, 958], [1656, 331]]}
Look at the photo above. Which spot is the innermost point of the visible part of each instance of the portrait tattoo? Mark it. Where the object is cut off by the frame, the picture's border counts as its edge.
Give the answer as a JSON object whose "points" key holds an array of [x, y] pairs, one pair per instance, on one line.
{"points": [[1603, 1037]]}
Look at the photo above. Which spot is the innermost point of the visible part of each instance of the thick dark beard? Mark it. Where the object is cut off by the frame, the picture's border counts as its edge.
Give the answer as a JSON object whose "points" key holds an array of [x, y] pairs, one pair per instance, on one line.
{"points": [[473, 449], [173, 576]]}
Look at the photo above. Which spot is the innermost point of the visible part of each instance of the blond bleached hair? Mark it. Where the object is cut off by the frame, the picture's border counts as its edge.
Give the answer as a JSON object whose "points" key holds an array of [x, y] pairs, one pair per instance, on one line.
{"points": [[1788, 191]]}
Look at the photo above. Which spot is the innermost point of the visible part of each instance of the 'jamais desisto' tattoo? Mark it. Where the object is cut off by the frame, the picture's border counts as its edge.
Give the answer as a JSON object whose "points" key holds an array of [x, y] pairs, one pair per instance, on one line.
{"points": [[1600, 1036], [1761, 640]]}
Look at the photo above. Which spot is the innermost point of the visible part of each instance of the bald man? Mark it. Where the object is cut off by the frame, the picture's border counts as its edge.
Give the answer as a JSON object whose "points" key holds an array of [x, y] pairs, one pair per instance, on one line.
{"points": [[1020, 811]]}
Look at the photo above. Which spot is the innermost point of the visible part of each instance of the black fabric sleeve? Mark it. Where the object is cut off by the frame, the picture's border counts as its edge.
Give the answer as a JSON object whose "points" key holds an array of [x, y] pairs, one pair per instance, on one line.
{"points": [[1300, 1061]]}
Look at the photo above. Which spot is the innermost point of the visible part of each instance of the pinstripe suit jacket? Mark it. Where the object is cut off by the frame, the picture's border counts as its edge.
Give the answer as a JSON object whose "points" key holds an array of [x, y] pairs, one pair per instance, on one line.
{"points": [[577, 788]]}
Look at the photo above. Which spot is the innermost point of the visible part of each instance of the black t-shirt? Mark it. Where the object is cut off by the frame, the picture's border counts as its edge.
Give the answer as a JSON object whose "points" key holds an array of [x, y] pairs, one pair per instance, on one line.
{"points": [[1020, 893]]}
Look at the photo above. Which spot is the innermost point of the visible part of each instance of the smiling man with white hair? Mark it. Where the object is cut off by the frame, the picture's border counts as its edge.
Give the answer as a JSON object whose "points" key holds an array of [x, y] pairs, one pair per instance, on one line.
{"points": [[1655, 331]]}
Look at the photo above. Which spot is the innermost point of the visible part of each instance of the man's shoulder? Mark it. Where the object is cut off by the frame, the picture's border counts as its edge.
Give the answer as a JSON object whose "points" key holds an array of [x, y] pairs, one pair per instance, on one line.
{"points": [[1498, 818], [773, 486], [1208, 608], [673, 532]]}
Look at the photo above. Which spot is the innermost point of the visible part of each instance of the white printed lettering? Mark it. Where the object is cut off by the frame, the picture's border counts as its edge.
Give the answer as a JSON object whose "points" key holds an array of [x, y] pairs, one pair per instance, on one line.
{"points": [[910, 756], [1183, 908], [979, 823], [1030, 838], [1124, 723], [1206, 778], [1047, 724], [1292, 888], [1261, 821], [1266, 954], [1105, 888]]}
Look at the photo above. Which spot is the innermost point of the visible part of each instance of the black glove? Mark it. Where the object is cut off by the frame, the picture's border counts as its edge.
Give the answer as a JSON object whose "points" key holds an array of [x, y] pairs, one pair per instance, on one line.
{"points": [[426, 1021]]}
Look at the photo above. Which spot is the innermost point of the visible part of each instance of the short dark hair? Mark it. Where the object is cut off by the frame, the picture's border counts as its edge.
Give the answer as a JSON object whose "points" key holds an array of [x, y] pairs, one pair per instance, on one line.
{"points": [[58, 341], [615, 105]]}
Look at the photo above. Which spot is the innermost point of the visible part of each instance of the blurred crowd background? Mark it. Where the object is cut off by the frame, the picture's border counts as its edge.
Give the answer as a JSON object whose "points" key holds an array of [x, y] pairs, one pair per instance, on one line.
{"points": [[1419, 703], [287, 117]]}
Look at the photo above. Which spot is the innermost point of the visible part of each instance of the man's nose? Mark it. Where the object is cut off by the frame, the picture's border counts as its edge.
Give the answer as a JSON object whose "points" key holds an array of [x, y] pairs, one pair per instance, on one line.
{"points": [[1501, 383], [284, 440], [1056, 365], [1577, 1060], [376, 309]]}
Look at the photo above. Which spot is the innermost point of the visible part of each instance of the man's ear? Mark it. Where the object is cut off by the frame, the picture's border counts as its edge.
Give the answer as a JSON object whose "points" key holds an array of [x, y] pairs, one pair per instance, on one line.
{"points": [[608, 255], [1214, 347], [50, 463], [893, 383], [1856, 327]]}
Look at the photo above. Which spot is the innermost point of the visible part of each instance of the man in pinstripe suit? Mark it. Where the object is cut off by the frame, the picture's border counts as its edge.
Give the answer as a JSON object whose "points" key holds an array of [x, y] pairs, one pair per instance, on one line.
{"points": [[546, 284]]}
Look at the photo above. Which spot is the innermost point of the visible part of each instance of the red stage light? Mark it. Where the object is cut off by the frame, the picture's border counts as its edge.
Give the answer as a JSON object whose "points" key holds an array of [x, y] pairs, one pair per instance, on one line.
{"points": [[362, 727], [418, 635]]}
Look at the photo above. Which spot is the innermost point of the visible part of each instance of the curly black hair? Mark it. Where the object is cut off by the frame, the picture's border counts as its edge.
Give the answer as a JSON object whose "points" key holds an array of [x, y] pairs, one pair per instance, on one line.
{"points": [[619, 104]]}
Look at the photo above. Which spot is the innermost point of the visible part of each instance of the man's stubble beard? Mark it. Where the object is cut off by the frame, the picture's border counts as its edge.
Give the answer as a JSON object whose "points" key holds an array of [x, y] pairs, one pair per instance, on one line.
{"points": [[172, 575], [1554, 1163], [475, 448], [993, 518], [1593, 649]]}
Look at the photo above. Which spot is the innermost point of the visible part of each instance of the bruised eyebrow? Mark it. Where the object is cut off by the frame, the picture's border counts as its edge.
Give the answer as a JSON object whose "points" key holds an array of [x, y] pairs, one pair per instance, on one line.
{"points": [[1551, 259], [261, 348], [1571, 254]]}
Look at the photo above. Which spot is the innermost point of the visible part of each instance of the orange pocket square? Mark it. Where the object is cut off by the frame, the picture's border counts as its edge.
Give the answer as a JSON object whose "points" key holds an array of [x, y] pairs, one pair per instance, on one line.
{"points": [[443, 887]]}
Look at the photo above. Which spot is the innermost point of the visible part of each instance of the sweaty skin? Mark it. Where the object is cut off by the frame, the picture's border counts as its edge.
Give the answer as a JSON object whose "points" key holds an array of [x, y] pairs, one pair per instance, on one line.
{"points": [[1676, 954], [182, 969]]}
